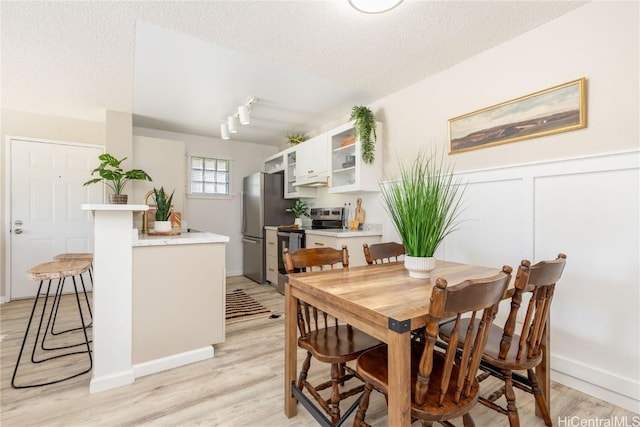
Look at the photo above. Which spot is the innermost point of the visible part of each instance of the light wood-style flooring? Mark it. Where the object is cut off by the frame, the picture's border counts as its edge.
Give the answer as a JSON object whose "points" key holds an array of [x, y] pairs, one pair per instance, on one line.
{"points": [[241, 386]]}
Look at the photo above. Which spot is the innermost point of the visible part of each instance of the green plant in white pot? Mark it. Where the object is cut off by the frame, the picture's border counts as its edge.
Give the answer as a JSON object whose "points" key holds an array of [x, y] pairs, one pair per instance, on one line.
{"points": [[299, 209], [112, 175], [424, 205], [163, 210]]}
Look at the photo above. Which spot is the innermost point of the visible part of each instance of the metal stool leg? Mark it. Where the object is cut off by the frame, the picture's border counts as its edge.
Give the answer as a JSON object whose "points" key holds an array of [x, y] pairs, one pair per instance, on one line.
{"points": [[26, 334], [52, 320], [33, 353]]}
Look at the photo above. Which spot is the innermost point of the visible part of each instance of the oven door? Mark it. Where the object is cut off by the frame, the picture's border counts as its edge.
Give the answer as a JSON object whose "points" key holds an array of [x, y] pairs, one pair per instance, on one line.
{"points": [[292, 240]]}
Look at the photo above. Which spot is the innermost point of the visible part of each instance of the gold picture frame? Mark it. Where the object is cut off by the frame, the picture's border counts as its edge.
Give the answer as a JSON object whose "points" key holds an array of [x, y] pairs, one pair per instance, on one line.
{"points": [[558, 109]]}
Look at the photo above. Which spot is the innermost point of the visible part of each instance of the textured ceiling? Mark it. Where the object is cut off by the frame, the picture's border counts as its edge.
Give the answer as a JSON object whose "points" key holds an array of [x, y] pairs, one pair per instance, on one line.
{"points": [[184, 66]]}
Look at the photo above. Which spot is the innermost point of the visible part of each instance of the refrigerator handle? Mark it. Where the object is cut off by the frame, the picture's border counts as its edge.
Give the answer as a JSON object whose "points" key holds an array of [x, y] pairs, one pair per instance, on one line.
{"points": [[244, 213]]}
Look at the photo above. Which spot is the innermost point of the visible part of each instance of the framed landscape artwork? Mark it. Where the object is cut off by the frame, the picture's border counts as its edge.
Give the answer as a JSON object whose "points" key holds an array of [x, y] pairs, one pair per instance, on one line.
{"points": [[554, 110]]}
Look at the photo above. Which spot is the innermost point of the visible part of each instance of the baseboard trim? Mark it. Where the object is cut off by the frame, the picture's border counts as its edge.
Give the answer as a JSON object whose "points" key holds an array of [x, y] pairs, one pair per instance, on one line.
{"points": [[603, 385], [107, 382], [170, 362]]}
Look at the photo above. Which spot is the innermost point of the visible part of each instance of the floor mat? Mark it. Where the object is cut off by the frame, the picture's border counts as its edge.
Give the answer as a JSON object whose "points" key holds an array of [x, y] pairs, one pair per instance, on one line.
{"points": [[241, 306]]}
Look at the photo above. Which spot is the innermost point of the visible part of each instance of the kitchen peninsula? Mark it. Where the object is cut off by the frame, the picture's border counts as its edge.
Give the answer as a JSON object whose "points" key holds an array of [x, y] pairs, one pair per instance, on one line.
{"points": [[158, 300]]}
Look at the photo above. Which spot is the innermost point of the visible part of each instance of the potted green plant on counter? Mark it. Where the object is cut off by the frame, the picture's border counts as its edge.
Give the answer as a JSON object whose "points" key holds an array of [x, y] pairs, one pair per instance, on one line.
{"points": [[365, 130], [424, 205], [112, 175], [163, 210], [299, 209]]}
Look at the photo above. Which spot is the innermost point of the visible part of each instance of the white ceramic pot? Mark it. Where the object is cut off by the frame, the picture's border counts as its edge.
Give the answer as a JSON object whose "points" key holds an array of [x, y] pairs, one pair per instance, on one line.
{"points": [[419, 267], [298, 222], [162, 226]]}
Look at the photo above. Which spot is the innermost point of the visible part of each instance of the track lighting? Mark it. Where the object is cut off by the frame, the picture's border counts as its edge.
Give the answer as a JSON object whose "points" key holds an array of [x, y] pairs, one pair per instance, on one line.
{"points": [[243, 115], [231, 124], [224, 132]]}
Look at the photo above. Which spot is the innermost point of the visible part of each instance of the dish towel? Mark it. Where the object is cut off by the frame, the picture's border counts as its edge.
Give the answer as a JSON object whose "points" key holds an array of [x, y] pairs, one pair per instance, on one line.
{"points": [[294, 242]]}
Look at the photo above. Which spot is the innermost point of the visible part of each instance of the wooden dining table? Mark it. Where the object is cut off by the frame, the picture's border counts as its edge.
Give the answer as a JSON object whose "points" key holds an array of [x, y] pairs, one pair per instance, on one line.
{"points": [[384, 302]]}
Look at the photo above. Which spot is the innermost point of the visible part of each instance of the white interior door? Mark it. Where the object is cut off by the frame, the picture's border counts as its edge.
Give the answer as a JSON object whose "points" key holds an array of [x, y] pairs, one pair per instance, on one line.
{"points": [[46, 195]]}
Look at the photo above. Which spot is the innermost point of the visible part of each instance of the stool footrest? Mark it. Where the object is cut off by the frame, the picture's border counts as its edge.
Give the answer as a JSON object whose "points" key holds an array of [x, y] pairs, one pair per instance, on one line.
{"points": [[48, 330]]}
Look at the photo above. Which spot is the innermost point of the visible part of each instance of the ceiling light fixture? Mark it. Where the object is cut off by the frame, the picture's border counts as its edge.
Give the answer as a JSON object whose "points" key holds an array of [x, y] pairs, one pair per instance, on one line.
{"points": [[244, 111], [224, 132], [231, 124], [243, 115], [374, 6]]}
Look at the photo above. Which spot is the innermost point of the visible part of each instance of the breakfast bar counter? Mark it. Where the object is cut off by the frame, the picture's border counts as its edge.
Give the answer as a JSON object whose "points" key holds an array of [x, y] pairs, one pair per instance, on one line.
{"points": [[158, 300], [178, 299]]}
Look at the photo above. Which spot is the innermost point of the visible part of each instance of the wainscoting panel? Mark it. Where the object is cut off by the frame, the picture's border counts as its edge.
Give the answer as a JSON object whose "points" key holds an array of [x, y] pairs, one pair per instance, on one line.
{"points": [[587, 208], [493, 224]]}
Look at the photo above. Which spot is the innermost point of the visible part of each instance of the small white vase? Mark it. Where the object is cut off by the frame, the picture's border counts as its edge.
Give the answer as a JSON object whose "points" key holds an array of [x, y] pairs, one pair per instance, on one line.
{"points": [[298, 222], [162, 226], [419, 267]]}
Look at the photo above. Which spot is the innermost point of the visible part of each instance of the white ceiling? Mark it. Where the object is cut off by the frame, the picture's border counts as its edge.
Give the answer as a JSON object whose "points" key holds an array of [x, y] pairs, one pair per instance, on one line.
{"points": [[185, 66]]}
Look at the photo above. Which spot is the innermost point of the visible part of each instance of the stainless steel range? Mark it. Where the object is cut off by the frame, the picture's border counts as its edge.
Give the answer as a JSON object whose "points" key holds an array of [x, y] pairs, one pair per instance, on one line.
{"points": [[293, 238]]}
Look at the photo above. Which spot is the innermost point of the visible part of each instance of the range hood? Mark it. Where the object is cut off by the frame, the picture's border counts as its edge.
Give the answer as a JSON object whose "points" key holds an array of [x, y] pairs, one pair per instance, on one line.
{"points": [[319, 179]]}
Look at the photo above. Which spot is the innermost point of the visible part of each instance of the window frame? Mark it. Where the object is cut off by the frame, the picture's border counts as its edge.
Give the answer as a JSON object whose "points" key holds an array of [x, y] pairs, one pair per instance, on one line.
{"points": [[191, 194]]}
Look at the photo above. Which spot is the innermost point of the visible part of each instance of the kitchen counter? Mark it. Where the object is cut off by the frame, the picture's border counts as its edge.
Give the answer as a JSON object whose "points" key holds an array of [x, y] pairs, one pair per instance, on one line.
{"points": [[187, 238], [344, 233], [158, 301], [178, 300]]}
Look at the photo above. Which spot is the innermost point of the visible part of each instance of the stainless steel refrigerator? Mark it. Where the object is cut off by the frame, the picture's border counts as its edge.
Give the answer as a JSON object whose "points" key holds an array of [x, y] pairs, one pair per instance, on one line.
{"points": [[263, 204]]}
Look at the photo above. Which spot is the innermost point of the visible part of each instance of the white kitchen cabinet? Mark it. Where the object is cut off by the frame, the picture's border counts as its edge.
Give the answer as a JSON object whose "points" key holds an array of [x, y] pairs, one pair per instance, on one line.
{"points": [[353, 240], [347, 172], [291, 191], [271, 263], [274, 163], [313, 163]]}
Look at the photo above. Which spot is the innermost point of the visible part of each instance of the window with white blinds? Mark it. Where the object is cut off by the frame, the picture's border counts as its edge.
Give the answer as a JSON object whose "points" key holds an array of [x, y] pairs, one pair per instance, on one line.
{"points": [[210, 176]]}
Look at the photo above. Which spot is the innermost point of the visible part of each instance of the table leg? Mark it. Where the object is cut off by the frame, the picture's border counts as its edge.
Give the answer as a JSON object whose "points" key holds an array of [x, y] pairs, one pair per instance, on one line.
{"points": [[399, 367], [290, 351], [543, 370]]}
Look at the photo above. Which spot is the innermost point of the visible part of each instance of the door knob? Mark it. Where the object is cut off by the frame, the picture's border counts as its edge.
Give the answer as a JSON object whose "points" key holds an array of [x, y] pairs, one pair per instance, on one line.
{"points": [[18, 231]]}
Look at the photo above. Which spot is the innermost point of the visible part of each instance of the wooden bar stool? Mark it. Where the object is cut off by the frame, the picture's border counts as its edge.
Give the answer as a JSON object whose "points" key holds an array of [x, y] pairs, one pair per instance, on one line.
{"points": [[80, 256], [84, 257], [50, 271]]}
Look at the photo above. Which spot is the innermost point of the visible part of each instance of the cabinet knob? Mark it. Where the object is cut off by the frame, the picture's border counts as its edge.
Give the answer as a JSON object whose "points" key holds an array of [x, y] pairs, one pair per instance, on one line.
{"points": [[318, 244]]}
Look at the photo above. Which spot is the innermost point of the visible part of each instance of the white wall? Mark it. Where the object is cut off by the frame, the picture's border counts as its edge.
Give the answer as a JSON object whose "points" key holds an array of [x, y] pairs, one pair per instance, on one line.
{"points": [[160, 159], [592, 217], [219, 215]]}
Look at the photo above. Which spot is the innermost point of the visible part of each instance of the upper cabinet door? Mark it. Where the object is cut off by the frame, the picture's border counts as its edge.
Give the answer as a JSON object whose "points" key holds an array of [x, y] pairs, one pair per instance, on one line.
{"points": [[291, 190], [347, 172], [312, 157], [274, 163]]}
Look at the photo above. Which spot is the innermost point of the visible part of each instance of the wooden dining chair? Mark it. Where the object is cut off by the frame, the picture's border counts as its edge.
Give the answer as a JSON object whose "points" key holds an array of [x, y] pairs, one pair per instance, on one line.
{"points": [[381, 252], [443, 382], [509, 350], [325, 339]]}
